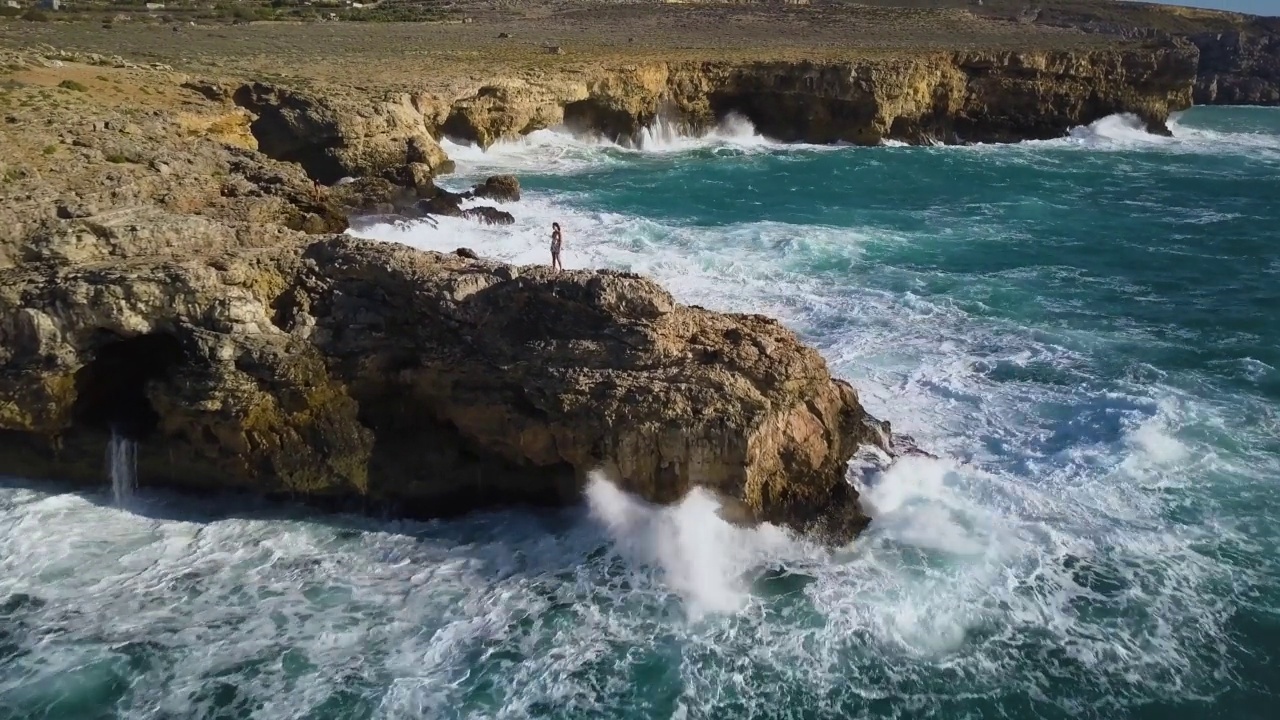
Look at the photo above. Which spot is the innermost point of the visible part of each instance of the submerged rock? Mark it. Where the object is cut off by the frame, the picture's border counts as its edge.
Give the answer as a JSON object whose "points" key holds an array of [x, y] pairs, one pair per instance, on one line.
{"points": [[488, 215]]}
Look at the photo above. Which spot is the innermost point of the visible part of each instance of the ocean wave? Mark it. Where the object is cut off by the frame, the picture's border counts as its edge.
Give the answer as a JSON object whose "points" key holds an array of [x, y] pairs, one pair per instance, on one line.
{"points": [[561, 150], [1071, 550], [1127, 133]]}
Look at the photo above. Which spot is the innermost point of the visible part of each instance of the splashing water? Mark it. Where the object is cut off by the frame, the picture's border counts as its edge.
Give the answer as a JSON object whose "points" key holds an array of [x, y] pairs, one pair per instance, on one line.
{"points": [[700, 556], [1082, 330], [122, 468]]}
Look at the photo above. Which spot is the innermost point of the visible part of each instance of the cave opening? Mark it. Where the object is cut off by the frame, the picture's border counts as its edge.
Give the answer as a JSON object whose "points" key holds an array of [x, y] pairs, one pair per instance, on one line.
{"points": [[111, 391]]}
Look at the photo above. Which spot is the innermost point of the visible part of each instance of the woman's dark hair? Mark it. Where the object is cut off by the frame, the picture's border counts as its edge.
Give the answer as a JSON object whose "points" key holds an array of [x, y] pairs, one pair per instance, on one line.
{"points": [[555, 225]]}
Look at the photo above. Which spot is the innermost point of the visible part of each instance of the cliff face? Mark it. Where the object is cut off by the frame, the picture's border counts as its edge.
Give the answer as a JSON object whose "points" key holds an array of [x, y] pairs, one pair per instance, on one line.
{"points": [[1238, 68], [333, 136], [956, 97], [354, 372], [167, 292], [1239, 55]]}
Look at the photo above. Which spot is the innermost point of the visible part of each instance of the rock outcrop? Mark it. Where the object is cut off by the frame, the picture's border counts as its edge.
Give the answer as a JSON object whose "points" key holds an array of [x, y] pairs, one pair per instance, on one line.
{"points": [[334, 137], [1239, 55], [169, 292], [948, 97], [343, 370], [503, 188]]}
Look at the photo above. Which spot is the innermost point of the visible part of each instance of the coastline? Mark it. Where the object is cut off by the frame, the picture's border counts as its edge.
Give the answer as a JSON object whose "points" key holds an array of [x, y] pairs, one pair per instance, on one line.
{"points": [[192, 223]]}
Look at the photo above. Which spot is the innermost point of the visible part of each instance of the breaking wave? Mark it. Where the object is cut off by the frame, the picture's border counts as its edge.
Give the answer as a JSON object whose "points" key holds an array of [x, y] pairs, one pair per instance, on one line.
{"points": [[561, 150], [1094, 538], [1121, 133]]}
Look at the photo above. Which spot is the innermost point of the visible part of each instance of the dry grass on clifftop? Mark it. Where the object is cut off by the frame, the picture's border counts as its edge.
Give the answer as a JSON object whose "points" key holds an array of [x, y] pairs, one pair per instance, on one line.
{"points": [[435, 56]]}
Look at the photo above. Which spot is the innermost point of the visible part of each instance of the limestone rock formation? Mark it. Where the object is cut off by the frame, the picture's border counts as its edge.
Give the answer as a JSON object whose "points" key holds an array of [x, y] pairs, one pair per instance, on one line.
{"points": [[335, 137], [346, 369], [488, 215], [1239, 55], [169, 291], [378, 196], [949, 97], [509, 110], [1238, 68]]}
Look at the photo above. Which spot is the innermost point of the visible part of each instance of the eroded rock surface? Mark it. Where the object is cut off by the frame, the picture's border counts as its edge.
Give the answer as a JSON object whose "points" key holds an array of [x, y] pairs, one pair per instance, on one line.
{"points": [[343, 369], [1238, 68], [948, 97], [178, 298], [333, 136]]}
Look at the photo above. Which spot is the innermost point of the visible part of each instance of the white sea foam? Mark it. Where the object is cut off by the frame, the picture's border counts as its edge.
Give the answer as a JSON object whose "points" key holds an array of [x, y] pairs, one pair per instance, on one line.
{"points": [[1037, 547], [561, 150], [558, 150], [967, 554], [122, 468], [700, 556], [1123, 133]]}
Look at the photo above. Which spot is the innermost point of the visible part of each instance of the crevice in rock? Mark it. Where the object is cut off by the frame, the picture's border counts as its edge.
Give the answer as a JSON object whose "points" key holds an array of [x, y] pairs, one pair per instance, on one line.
{"points": [[111, 391]]}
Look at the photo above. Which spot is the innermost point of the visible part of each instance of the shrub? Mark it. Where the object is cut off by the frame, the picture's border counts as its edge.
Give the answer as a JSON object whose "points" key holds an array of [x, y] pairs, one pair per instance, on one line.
{"points": [[72, 85], [34, 15]]}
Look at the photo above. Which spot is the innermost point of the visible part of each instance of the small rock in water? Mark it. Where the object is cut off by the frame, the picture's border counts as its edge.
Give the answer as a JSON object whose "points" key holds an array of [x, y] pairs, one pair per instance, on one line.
{"points": [[488, 215], [441, 205], [502, 188]]}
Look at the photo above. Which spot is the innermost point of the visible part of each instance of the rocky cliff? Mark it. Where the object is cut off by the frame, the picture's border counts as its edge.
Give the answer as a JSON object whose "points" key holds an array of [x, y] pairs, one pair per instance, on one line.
{"points": [[183, 286], [948, 97], [358, 373], [1238, 68], [1239, 55], [168, 291]]}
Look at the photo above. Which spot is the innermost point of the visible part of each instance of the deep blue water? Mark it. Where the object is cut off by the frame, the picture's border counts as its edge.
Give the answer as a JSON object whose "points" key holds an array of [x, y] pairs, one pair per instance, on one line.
{"points": [[1086, 331]]}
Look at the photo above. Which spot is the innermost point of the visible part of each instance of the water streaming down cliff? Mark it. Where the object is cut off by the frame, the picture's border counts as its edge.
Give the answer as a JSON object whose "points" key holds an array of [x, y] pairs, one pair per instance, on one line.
{"points": [[122, 468]]}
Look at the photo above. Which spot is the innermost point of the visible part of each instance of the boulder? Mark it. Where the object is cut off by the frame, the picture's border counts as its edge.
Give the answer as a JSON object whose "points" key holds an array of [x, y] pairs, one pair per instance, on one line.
{"points": [[445, 203], [373, 196], [503, 188]]}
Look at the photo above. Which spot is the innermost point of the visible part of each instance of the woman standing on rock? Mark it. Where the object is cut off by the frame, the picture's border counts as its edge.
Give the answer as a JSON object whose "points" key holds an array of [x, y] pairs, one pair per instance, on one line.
{"points": [[555, 247]]}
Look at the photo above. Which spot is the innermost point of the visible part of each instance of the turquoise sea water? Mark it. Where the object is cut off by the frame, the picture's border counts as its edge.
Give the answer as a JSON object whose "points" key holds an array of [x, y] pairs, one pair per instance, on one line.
{"points": [[1086, 332]]}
